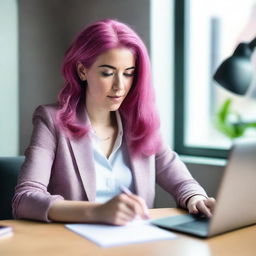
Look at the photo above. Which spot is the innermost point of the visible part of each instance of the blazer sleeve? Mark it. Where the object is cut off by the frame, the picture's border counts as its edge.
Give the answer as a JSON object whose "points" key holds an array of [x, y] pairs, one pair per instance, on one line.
{"points": [[174, 177], [31, 199]]}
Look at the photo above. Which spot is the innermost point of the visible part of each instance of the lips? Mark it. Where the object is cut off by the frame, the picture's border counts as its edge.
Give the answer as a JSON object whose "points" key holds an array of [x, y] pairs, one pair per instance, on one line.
{"points": [[114, 97]]}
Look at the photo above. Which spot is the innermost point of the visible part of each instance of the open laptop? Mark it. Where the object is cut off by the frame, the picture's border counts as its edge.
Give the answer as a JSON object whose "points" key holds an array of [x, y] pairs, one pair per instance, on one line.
{"points": [[236, 199]]}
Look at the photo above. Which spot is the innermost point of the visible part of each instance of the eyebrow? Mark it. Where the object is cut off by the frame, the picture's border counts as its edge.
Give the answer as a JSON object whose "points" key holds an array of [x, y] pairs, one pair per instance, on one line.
{"points": [[109, 66]]}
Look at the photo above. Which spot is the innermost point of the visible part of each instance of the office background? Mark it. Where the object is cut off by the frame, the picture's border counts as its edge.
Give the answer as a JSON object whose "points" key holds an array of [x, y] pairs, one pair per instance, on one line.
{"points": [[34, 37]]}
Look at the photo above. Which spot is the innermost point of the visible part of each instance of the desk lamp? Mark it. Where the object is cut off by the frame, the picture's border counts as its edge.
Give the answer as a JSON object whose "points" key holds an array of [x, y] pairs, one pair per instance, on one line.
{"points": [[236, 75], [236, 72]]}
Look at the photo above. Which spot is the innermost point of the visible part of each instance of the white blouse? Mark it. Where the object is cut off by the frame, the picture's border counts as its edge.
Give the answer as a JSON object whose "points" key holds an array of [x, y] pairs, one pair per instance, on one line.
{"points": [[113, 171]]}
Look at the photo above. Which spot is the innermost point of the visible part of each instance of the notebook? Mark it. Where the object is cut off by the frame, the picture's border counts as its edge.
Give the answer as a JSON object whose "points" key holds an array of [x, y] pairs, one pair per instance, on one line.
{"points": [[236, 198], [137, 231]]}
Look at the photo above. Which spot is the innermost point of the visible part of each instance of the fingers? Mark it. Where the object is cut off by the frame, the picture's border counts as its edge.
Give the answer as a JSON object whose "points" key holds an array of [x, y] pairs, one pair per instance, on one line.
{"points": [[139, 206], [192, 203], [115, 211], [200, 204], [192, 209], [122, 218], [202, 208], [136, 204], [122, 209], [206, 206], [210, 203]]}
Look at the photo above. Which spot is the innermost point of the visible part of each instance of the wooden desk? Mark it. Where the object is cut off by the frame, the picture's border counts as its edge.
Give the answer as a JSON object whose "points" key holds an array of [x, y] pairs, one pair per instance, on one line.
{"points": [[37, 239]]}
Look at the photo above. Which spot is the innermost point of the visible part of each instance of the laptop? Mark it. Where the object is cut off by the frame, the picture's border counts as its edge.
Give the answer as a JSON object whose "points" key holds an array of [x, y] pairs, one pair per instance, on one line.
{"points": [[236, 198]]}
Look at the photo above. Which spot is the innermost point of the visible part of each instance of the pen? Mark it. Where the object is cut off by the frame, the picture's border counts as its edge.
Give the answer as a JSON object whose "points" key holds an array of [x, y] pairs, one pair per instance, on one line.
{"points": [[125, 190], [128, 192]]}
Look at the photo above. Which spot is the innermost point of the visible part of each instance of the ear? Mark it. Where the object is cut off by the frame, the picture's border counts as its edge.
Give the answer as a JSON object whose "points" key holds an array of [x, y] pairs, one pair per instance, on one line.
{"points": [[81, 71]]}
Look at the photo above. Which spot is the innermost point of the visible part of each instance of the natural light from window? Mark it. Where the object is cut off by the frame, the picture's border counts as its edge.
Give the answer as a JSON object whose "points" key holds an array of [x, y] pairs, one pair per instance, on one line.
{"points": [[213, 30]]}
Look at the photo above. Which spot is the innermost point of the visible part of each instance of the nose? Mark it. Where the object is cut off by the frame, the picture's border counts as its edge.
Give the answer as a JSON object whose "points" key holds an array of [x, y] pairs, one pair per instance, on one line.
{"points": [[119, 83]]}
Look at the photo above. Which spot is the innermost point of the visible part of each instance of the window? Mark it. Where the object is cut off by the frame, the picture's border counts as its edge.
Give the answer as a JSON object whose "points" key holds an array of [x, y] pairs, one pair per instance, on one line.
{"points": [[206, 33]]}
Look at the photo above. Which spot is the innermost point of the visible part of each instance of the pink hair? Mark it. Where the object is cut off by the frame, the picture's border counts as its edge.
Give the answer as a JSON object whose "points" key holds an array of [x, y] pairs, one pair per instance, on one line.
{"points": [[138, 108]]}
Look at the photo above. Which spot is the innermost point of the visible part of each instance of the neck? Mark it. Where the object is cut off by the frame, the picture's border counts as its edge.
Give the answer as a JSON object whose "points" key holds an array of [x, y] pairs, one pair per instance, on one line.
{"points": [[99, 117]]}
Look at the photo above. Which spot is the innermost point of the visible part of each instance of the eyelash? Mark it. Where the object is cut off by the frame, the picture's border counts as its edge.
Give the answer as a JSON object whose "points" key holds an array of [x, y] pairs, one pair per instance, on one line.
{"points": [[110, 74]]}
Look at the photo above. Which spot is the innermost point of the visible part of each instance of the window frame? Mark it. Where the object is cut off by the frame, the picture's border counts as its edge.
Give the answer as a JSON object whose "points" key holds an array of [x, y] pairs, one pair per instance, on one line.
{"points": [[179, 89]]}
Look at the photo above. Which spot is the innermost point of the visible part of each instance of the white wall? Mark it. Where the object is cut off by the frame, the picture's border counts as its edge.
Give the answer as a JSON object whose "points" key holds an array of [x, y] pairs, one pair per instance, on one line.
{"points": [[8, 78], [161, 36]]}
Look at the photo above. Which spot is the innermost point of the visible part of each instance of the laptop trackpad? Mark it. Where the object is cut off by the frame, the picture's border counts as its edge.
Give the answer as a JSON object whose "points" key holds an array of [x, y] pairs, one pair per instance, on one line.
{"points": [[185, 223]]}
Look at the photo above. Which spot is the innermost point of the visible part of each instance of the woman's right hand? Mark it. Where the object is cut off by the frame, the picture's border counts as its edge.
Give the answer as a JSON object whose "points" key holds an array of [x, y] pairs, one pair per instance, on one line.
{"points": [[121, 209]]}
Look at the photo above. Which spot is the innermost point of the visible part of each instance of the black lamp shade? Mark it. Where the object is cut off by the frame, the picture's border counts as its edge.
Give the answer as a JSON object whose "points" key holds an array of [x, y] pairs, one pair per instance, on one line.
{"points": [[236, 73]]}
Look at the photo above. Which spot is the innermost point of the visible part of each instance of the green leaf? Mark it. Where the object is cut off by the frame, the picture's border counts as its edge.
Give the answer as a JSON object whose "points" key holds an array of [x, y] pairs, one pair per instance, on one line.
{"points": [[251, 125], [223, 124], [232, 130], [224, 111]]}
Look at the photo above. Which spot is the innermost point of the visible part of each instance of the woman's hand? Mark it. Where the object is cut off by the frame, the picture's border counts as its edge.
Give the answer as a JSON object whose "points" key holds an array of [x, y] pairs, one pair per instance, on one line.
{"points": [[121, 209], [200, 204]]}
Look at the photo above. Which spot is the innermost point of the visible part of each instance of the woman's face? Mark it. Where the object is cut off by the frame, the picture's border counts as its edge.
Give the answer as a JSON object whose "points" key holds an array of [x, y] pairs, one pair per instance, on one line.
{"points": [[109, 79]]}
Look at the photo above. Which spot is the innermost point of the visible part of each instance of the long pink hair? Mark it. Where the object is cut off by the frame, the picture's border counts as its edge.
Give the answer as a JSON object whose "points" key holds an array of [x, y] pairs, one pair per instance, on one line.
{"points": [[141, 121]]}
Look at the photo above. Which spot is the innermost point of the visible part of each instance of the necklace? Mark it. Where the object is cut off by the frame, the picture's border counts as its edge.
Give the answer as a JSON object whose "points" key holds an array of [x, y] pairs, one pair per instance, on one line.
{"points": [[102, 139], [107, 138]]}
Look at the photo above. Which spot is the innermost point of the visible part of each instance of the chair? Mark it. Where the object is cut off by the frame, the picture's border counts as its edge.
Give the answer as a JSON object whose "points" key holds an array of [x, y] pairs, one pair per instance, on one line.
{"points": [[9, 169]]}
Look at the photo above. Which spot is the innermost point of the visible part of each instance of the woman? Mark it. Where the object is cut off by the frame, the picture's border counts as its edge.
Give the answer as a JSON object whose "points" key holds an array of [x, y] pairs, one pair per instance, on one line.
{"points": [[102, 134]]}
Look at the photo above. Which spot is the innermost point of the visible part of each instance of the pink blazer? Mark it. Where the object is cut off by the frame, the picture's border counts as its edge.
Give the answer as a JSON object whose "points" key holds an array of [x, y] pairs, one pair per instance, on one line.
{"points": [[58, 168]]}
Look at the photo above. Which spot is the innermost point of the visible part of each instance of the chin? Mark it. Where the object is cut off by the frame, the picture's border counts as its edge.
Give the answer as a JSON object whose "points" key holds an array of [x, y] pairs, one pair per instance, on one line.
{"points": [[114, 107]]}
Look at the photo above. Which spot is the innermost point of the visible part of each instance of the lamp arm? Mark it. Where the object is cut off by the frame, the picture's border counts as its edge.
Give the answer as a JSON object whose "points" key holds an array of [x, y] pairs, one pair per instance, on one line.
{"points": [[252, 44]]}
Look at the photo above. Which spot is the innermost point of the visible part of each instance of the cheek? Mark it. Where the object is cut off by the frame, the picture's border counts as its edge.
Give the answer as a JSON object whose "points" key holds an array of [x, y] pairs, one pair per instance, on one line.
{"points": [[129, 86], [96, 85]]}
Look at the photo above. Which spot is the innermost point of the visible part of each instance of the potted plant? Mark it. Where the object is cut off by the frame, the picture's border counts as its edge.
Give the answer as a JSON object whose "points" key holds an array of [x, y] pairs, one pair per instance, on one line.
{"points": [[230, 123]]}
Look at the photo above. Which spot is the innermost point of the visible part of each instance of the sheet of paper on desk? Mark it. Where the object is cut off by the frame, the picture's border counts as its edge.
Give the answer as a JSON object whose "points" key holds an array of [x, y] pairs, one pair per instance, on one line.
{"points": [[135, 232]]}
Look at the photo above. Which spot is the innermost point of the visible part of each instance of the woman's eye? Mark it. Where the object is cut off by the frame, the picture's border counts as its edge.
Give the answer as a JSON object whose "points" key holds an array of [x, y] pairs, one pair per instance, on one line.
{"points": [[129, 75], [106, 74]]}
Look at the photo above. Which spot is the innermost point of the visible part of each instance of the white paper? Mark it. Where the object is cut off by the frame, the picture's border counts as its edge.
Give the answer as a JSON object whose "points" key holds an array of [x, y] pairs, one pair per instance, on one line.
{"points": [[5, 231], [107, 235]]}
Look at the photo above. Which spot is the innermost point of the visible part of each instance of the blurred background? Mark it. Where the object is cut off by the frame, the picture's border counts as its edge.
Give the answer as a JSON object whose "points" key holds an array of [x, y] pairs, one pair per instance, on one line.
{"points": [[34, 37]]}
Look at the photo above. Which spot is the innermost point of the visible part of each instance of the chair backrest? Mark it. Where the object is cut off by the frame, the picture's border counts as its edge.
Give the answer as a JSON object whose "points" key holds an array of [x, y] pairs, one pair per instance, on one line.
{"points": [[9, 169]]}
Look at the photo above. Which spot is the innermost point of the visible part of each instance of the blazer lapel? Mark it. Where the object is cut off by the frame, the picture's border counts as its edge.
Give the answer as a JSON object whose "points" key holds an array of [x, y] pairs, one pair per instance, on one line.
{"points": [[144, 178], [83, 153]]}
